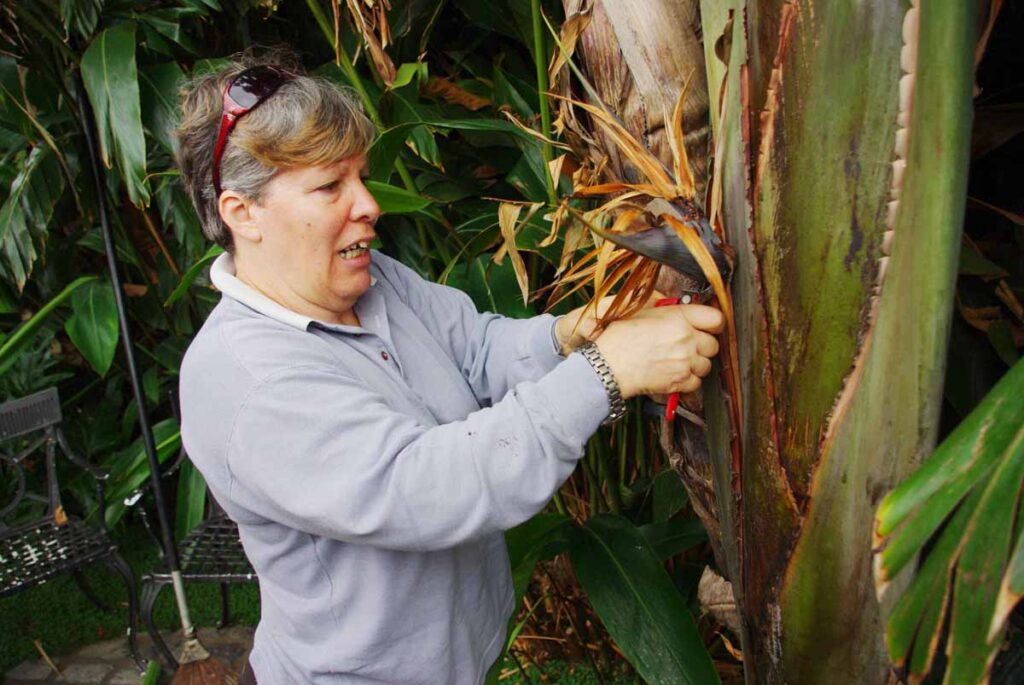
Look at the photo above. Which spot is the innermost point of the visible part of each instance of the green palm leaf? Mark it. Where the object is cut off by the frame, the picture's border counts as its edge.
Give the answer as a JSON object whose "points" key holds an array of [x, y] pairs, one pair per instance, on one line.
{"points": [[112, 81], [93, 324], [26, 213], [638, 603], [973, 481]]}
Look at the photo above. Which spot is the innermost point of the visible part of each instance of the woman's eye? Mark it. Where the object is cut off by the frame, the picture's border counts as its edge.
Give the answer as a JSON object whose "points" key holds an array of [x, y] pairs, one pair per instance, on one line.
{"points": [[329, 186]]}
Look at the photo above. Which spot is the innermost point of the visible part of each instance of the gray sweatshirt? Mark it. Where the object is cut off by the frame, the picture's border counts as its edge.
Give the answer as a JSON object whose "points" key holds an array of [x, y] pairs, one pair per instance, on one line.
{"points": [[372, 470]]}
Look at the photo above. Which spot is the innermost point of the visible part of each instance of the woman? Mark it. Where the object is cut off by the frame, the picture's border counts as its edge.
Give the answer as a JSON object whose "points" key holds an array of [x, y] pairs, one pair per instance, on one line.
{"points": [[371, 432]]}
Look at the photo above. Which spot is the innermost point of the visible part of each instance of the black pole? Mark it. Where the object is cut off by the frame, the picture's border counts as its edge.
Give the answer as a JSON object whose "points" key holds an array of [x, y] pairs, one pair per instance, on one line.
{"points": [[89, 125]]}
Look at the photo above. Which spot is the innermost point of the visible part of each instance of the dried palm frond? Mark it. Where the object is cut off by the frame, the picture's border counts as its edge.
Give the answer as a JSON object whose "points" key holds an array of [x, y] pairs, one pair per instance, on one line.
{"points": [[509, 223], [652, 196], [371, 22], [449, 91]]}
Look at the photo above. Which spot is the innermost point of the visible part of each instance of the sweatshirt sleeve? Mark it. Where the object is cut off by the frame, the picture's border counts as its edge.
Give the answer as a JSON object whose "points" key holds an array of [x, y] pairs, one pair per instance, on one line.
{"points": [[322, 453], [493, 352]]}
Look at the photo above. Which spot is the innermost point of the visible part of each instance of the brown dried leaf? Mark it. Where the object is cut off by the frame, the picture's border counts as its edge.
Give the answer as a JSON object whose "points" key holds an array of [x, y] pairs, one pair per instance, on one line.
{"points": [[532, 132], [450, 92], [988, 11], [508, 221], [606, 188], [686, 187], [366, 21], [570, 33], [632, 149], [716, 596]]}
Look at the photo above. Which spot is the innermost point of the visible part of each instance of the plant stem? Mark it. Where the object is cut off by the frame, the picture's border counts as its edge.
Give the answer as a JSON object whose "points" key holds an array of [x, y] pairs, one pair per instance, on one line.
{"points": [[593, 482], [540, 60], [559, 504], [608, 476]]}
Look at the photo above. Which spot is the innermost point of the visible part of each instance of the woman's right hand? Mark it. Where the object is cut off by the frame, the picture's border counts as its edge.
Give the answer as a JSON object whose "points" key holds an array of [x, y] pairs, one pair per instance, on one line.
{"points": [[661, 350]]}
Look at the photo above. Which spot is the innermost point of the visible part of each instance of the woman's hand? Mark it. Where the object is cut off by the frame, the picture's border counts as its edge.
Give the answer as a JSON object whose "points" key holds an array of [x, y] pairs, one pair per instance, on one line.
{"points": [[570, 335], [662, 350]]}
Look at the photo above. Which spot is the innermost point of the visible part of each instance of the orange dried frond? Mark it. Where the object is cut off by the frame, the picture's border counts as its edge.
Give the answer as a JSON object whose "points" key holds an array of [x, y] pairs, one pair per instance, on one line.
{"points": [[557, 218], [575, 236], [625, 219], [686, 187], [533, 133], [453, 93], [606, 188], [634, 151], [635, 291], [622, 267], [570, 33], [604, 255], [508, 221], [369, 22]]}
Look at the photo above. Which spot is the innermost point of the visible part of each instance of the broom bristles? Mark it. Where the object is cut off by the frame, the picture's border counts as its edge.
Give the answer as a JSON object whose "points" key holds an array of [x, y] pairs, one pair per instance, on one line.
{"points": [[197, 667]]}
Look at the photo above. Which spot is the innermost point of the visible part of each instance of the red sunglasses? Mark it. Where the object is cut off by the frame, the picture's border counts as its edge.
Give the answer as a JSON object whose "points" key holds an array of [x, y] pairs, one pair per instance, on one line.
{"points": [[245, 92]]}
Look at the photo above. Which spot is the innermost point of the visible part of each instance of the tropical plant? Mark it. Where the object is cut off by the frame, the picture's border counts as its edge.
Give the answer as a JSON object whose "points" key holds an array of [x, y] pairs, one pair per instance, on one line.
{"points": [[838, 184], [832, 372]]}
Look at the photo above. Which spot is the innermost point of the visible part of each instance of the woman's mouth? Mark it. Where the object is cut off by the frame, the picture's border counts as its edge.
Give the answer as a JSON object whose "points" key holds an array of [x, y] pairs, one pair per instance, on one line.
{"points": [[355, 251]]}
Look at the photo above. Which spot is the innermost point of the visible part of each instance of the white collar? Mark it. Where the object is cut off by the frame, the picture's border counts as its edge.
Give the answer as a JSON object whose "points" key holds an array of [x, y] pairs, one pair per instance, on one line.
{"points": [[222, 274]]}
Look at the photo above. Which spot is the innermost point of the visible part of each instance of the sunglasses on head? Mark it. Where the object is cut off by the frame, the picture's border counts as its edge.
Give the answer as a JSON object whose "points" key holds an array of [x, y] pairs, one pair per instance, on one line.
{"points": [[242, 95]]}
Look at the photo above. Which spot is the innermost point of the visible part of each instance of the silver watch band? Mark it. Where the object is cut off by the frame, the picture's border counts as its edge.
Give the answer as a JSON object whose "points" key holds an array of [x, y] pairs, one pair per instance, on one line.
{"points": [[616, 404]]}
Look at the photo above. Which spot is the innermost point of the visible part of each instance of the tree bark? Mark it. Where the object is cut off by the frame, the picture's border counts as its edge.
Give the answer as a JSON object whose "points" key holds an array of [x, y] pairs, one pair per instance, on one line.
{"points": [[841, 148]]}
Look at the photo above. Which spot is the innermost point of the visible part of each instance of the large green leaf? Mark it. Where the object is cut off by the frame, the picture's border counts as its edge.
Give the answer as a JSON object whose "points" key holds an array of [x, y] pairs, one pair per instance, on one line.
{"points": [[159, 88], [853, 342], [130, 470], [15, 342], [541, 537], [192, 273], [389, 143], [669, 538], [638, 604], [26, 213], [668, 494], [191, 500], [976, 477], [395, 200], [493, 287], [81, 16], [111, 79], [93, 324]]}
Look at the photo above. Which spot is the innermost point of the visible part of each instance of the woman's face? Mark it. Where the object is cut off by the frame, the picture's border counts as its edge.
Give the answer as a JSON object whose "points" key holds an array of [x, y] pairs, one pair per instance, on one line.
{"points": [[316, 224]]}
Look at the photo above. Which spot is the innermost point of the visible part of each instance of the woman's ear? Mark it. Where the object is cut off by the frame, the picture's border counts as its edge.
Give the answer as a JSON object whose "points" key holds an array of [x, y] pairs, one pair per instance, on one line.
{"points": [[236, 211]]}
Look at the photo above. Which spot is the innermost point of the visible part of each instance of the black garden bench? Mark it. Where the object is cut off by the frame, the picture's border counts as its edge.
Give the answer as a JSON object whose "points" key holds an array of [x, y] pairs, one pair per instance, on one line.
{"points": [[35, 548]]}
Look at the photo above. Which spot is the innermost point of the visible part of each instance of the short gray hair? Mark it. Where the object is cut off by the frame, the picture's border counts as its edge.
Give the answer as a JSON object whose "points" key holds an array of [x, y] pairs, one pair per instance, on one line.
{"points": [[307, 122]]}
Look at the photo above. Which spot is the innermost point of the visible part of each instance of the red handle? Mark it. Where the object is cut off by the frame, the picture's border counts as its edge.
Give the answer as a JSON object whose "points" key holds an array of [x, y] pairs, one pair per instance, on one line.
{"points": [[673, 399]]}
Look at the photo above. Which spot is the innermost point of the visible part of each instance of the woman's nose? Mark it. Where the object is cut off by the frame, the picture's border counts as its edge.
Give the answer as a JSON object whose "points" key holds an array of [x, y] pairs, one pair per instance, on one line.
{"points": [[365, 208]]}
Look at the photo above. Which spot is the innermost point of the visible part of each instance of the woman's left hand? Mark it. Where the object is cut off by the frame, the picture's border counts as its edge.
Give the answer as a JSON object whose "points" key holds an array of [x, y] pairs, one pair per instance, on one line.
{"points": [[570, 335]]}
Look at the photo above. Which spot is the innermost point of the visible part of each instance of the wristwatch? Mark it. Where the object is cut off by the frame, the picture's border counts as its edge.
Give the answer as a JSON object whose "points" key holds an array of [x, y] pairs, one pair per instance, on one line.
{"points": [[616, 404]]}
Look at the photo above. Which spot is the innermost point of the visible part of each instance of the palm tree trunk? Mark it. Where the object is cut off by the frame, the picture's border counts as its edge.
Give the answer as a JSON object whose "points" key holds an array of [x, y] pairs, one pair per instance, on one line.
{"points": [[841, 139]]}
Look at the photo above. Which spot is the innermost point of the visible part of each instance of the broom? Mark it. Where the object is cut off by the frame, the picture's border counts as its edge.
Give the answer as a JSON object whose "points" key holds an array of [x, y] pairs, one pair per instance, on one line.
{"points": [[195, 666]]}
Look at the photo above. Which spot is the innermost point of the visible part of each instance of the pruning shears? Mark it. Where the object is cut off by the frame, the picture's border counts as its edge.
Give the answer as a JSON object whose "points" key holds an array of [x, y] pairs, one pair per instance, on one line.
{"points": [[663, 245]]}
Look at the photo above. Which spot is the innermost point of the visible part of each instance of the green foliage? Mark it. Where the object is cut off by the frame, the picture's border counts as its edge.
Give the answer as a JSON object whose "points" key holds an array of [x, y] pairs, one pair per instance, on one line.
{"points": [[111, 77], [638, 603], [92, 326], [965, 499], [26, 213]]}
